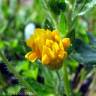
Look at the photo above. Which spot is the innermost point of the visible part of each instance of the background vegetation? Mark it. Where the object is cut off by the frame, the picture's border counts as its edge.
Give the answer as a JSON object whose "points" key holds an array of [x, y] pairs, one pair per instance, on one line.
{"points": [[73, 18]]}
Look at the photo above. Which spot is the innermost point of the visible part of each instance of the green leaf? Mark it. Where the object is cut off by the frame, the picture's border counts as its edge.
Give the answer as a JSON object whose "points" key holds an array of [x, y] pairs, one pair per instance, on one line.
{"points": [[92, 39], [84, 53], [22, 65], [62, 26], [31, 74], [88, 7], [2, 44], [13, 90], [47, 24], [71, 35], [42, 90]]}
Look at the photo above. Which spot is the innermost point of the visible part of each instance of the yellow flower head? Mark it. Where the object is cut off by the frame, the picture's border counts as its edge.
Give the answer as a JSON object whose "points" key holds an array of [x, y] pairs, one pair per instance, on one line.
{"points": [[49, 47]]}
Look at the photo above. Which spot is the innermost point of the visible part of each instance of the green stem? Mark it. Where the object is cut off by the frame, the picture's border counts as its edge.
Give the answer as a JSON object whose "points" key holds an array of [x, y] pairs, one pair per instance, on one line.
{"points": [[58, 84], [67, 87], [12, 69]]}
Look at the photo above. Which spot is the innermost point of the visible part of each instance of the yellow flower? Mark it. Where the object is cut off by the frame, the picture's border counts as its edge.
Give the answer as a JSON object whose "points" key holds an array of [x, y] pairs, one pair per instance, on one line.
{"points": [[49, 47]]}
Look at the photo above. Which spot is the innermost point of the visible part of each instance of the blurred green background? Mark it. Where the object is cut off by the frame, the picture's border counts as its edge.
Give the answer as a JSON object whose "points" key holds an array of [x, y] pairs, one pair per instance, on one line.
{"points": [[73, 18]]}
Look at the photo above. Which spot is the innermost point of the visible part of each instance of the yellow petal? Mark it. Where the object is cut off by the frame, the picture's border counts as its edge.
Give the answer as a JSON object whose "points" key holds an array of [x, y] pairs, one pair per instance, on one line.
{"points": [[55, 36], [65, 54], [61, 45], [38, 30], [49, 43], [48, 51], [32, 56], [62, 54], [66, 42], [45, 59], [55, 47]]}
